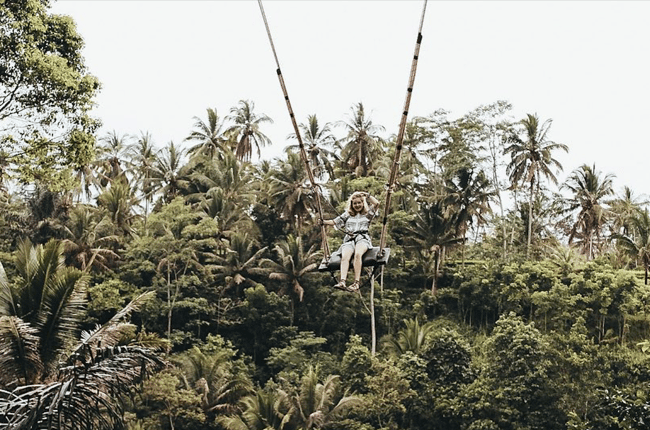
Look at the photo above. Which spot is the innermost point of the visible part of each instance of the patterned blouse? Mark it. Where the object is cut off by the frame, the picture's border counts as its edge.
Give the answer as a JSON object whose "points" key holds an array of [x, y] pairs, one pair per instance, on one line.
{"points": [[355, 227]]}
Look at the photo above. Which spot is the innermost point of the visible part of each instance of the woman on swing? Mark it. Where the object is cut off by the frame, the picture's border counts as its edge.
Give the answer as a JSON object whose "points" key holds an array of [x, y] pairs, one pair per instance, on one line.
{"points": [[359, 211]]}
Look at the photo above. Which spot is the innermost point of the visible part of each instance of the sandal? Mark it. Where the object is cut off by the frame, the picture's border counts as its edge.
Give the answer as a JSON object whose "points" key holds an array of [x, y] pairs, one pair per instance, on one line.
{"points": [[353, 287], [341, 285]]}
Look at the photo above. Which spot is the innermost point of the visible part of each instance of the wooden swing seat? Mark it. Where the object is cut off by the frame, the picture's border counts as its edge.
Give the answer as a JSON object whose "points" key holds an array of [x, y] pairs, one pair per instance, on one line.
{"points": [[372, 257]]}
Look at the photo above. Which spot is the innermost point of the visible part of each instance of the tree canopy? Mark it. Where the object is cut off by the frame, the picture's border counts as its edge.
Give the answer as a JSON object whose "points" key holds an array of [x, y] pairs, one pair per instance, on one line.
{"points": [[175, 286], [45, 96]]}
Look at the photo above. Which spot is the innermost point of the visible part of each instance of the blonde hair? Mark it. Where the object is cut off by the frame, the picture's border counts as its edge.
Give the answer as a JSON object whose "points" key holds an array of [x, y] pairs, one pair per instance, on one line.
{"points": [[361, 195]]}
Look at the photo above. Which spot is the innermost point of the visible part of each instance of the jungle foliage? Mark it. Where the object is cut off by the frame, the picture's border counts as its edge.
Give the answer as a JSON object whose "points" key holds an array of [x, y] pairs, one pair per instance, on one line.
{"points": [[175, 287]]}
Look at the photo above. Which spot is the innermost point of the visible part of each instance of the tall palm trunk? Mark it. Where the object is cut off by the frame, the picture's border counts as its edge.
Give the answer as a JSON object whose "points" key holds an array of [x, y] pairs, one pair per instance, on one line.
{"points": [[373, 329], [495, 180], [503, 225], [170, 308], [436, 267], [516, 208], [530, 216], [363, 157]]}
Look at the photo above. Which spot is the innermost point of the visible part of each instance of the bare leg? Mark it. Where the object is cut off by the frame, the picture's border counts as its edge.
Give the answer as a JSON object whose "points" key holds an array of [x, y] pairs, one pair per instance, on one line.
{"points": [[346, 256], [359, 250]]}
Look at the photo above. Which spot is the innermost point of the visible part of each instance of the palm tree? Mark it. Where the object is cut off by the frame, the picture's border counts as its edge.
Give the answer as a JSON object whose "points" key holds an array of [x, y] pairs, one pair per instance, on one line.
{"points": [[117, 203], [638, 246], [223, 189], [246, 130], [315, 405], [226, 173], [226, 213], [289, 191], [362, 145], [432, 231], [240, 262], [215, 377], [264, 410], [531, 159], [270, 221], [623, 209], [166, 176], [89, 240], [547, 209], [112, 153], [47, 384], [411, 338], [589, 191], [468, 197], [317, 141], [142, 158], [4, 167], [48, 301], [565, 258], [48, 212], [14, 219], [86, 178], [209, 136], [291, 266]]}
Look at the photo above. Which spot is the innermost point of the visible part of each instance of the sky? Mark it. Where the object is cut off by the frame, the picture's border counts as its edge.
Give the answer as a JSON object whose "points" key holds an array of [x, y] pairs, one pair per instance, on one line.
{"points": [[583, 64]]}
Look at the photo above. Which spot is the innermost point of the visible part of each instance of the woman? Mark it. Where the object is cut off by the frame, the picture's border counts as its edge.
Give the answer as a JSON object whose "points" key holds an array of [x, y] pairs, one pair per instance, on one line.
{"points": [[360, 210]]}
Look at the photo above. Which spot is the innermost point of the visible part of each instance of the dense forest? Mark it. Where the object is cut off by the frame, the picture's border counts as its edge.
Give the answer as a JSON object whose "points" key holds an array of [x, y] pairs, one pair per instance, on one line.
{"points": [[176, 286]]}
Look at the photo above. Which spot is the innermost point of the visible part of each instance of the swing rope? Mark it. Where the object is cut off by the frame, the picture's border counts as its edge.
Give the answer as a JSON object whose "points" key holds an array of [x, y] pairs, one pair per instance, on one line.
{"points": [[399, 142], [400, 135], [303, 153]]}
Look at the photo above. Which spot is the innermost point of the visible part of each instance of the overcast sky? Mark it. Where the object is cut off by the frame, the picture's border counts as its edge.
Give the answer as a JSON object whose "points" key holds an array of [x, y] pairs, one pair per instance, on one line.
{"points": [[583, 64]]}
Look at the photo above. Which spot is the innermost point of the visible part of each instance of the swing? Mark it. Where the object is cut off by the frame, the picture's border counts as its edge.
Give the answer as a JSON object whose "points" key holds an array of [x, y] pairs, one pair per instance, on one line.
{"points": [[375, 256]]}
